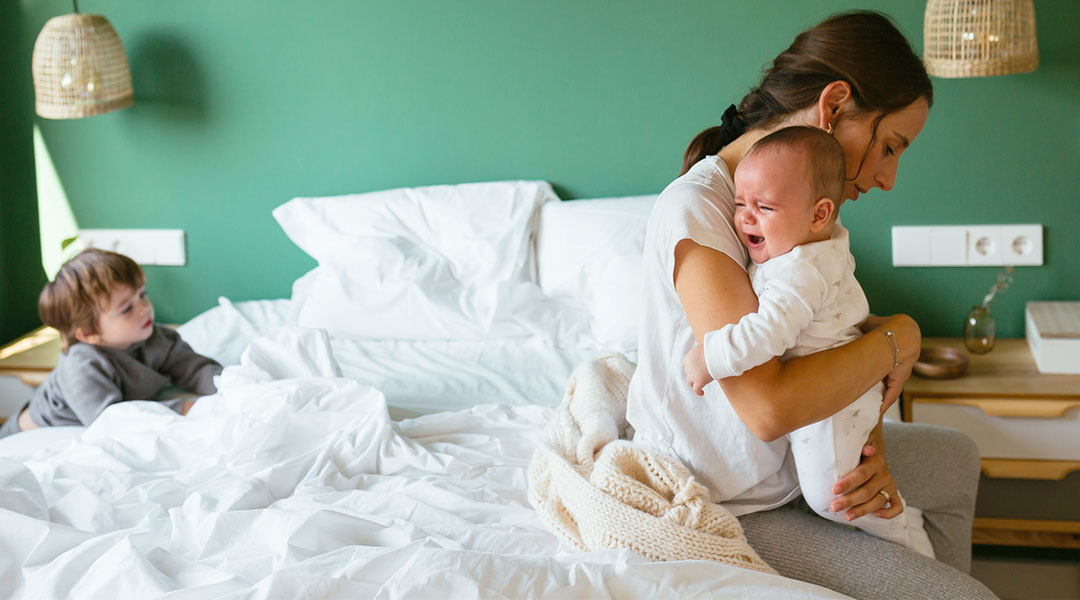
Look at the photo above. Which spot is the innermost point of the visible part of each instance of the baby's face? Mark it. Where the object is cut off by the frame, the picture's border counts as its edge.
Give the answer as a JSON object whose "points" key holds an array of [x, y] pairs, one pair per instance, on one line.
{"points": [[774, 203], [126, 320]]}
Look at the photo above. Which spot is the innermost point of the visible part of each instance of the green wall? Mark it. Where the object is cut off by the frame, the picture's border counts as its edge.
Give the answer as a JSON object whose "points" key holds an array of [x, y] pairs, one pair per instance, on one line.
{"points": [[242, 105], [20, 256]]}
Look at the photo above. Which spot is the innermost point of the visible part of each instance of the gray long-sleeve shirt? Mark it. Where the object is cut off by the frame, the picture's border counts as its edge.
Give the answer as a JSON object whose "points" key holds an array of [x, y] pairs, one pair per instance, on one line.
{"points": [[89, 378]]}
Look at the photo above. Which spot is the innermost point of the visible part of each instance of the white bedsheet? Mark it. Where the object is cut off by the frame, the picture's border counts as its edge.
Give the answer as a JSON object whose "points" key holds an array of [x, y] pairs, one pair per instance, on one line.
{"points": [[294, 482], [416, 376]]}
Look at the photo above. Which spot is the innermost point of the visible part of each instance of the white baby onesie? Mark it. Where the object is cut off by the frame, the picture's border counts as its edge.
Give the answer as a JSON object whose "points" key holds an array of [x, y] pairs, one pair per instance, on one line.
{"points": [[809, 300]]}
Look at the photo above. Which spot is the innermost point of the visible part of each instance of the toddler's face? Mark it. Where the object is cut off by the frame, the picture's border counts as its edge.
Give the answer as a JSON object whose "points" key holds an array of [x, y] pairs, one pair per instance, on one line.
{"points": [[774, 203], [127, 319]]}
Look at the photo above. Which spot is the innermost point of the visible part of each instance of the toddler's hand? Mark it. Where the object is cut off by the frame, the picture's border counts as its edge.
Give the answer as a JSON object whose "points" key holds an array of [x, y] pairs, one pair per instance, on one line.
{"points": [[187, 401], [695, 369]]}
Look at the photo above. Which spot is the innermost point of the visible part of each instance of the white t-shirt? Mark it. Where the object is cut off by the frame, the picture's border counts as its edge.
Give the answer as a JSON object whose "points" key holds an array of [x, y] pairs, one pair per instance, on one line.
{"points": [[808, 301], [704, 432]]}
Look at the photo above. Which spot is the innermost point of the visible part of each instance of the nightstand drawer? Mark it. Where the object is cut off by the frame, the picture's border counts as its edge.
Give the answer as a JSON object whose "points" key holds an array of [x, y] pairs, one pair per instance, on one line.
{"points": [[1028, 428], [1030, 499]]}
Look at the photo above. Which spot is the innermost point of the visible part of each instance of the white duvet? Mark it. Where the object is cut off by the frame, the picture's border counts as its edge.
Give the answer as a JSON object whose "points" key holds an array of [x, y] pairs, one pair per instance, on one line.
{"points": [[416, 376], [294, 482]]}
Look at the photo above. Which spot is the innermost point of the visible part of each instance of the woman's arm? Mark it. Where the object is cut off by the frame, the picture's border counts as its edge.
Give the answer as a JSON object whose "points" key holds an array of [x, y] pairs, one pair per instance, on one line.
{"points": [[773, 399]]}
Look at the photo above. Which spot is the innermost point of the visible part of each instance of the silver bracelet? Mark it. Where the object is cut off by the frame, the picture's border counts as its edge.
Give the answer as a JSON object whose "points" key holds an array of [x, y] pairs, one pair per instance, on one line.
{"points": [[892, 345]]}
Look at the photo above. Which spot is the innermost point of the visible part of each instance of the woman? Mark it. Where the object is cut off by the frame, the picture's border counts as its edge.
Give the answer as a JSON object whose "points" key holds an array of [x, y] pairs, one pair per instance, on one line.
{"points": [[853, 75]]}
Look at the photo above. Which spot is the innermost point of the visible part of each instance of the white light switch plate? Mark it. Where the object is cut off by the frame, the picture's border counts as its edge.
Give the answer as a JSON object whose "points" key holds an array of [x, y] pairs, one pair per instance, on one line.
{"points": [[144, 246], [948, 246], [910, 246], [967, 245]]}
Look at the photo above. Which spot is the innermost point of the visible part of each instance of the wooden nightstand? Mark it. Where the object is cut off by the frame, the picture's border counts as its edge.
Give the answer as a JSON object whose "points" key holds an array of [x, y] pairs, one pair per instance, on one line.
{"points": [[1027, 427], [31, 357]]}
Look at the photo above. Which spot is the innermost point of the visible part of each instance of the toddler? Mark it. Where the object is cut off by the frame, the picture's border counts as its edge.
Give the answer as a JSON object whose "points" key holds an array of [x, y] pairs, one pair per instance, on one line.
{"points": [[112, 349], [787, 191]]}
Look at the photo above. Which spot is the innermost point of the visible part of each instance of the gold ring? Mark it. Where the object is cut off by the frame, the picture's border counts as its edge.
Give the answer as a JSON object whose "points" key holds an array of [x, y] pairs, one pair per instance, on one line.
{"points": [[888, 498]]}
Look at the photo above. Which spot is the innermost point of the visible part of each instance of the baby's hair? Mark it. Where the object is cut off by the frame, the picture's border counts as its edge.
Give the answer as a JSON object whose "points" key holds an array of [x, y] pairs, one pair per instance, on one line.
{"points": [[74, 299], [823, 155]]}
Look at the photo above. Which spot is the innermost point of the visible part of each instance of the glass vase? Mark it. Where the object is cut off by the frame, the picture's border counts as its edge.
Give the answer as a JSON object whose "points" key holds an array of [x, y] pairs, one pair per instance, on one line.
{"points": [[979, 330]]}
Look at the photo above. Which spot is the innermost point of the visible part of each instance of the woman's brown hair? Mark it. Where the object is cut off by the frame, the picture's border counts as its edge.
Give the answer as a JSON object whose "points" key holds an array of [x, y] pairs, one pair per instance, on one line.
{"points": [[862, 48]]}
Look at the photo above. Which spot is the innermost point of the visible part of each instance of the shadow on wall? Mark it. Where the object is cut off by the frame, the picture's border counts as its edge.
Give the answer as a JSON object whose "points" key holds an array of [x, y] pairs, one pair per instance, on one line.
{"points": [[20, 258], [1059, 54], [169, 85]]}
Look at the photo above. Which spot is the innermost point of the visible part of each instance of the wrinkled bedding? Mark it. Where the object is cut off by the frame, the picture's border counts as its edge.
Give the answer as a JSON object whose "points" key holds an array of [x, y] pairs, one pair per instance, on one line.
{"points": [[416, 376], [293, 481]]}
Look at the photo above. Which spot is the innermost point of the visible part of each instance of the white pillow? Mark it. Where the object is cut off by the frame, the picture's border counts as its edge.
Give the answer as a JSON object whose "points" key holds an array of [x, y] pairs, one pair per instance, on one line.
{"points": [[223, 331], [590, 251], [345, 301], [435, 262]]}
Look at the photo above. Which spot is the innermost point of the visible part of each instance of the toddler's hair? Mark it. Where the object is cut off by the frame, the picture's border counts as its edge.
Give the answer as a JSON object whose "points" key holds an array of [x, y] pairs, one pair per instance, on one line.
{"points": [[81, 290], [823, 155]]}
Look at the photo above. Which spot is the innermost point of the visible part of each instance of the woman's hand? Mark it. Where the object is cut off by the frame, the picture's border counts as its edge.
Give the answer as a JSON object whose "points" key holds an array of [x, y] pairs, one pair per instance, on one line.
{"points": [[908, 344], [861, 489]]}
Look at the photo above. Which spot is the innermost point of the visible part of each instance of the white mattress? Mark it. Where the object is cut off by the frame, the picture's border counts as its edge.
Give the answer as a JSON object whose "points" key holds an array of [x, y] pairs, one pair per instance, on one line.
{"points": [[293, 481]]}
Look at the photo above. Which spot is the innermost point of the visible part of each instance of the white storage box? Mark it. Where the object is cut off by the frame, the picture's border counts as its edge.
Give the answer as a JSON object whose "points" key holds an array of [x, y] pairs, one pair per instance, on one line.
{"points": [[1053, 333]]}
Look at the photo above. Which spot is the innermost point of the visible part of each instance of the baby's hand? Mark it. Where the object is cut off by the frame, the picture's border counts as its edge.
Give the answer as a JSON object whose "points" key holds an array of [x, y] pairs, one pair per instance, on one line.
{"points": [[695, 369]]}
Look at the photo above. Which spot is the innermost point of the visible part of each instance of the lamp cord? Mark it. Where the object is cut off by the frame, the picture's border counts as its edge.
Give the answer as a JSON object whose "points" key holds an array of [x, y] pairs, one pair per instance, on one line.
{"points": [[76, 4]]}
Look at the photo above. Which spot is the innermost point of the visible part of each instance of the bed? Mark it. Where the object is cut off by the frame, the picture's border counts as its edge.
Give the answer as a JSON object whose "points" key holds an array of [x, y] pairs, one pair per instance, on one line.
{"points": [[371, 434]]}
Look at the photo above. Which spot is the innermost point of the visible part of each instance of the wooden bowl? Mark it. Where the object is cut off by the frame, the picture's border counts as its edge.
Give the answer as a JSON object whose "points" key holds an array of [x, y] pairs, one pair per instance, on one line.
{"points": [[941, 362]]}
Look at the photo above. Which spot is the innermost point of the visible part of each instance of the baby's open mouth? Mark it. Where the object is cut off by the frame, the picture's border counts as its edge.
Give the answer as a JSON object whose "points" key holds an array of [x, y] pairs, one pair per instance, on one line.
{"points": [[755, 239]]}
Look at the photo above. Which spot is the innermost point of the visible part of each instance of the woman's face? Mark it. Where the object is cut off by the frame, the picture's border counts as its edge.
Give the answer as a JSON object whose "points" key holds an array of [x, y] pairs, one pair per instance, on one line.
{"points": [[895, 133]]}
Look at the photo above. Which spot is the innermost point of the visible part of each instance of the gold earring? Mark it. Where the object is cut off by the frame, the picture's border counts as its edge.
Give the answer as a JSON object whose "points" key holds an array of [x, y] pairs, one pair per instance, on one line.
{"points": [[828, 130]]}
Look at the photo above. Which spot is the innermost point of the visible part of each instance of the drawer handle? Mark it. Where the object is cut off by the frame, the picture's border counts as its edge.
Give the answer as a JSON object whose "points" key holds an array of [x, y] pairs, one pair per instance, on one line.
{"points": [[1003, 407], [1048, 470]]}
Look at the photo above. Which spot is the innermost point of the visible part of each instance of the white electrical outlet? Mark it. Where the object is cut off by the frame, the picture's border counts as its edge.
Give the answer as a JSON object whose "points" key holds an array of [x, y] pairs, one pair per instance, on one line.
{"points": [[1022, 244], [144, 246], [984, 246]]}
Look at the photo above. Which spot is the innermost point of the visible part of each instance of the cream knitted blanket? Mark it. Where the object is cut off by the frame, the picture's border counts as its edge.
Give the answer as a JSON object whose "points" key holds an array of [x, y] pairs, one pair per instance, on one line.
{"points": [[597, 491]]}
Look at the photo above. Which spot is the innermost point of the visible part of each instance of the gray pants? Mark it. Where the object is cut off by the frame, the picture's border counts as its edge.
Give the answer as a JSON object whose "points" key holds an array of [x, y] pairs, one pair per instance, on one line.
{"points": [[937, 470]]}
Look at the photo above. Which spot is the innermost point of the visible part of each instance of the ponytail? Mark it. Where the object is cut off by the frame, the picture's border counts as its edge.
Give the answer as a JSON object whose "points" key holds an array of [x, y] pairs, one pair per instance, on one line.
{"points": [[711, 140]]}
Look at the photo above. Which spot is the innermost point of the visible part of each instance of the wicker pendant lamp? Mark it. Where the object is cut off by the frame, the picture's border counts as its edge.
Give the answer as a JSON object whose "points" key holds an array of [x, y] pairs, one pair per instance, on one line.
{"points": [[978, 38], [80, 69]]}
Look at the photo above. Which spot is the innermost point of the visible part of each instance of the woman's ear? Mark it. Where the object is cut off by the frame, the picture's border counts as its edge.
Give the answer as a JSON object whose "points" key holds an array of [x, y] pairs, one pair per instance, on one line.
{"points": [[834, 97], [824, 210]]}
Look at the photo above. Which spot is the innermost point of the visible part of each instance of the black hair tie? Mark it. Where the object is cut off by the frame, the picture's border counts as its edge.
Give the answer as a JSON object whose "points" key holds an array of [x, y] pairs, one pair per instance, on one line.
{"points": [[731, 125]]}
